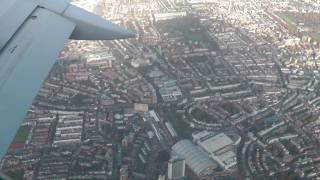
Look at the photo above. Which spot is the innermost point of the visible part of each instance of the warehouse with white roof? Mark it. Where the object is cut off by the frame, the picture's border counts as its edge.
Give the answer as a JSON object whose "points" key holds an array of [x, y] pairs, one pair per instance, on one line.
{"points": [[220, 147], [196, 159]]}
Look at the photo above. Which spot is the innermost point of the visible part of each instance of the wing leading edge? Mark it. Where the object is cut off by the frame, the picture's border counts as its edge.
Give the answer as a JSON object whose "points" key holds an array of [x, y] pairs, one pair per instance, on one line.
{"points": [[29, 45]]}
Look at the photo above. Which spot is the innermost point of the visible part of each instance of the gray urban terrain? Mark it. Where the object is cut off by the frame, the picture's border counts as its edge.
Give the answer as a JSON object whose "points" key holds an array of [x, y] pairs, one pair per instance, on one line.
{"points": [[208, 90]]}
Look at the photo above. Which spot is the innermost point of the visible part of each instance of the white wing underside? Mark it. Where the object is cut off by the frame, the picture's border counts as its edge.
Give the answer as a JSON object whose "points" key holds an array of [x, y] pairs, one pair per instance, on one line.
{"points": [[32, 35], [25, 63]]}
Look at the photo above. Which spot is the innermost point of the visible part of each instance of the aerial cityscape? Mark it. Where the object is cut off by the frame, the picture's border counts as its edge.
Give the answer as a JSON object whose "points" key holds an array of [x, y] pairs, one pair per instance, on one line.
{"points": [[208, 90]]}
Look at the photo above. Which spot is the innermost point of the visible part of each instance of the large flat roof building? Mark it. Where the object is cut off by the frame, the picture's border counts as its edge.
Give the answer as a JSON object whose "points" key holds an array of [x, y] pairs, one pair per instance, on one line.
{"points": [[176, 167], [196, 159], [219, 146]]}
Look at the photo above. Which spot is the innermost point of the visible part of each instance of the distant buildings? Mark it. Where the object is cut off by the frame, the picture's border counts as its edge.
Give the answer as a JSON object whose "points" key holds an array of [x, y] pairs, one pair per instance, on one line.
{"points": [[138, 107], [169, 15], [101, 60], [176, 168], [124, 173], [231, 73], [42, 132], [162, 177], [140, 62], [169, 90], [76, 72], [170, 93], [68, 130], [200, 1]]}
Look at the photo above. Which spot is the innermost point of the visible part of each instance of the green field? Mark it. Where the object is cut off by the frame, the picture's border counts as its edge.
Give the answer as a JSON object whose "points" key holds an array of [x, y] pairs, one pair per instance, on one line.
{"points": [[290, 20], [190, 28], [182, 128], [22, 134], [286, 18], [197, 36], [316, 36]]}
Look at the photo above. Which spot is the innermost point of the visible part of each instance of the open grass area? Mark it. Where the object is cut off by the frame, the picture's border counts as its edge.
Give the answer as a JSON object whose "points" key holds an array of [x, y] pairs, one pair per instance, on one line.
{"points": [[285, 17], [182, 128], [197, 37], [14, 175], [190, 28], [22, 134], [316, 36], [203, 116], [311, 21]]}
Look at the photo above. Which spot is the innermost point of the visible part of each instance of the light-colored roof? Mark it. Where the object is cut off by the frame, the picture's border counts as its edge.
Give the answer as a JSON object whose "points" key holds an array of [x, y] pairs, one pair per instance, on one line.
{"points": [[227, 157], [196, 159], [215, 143]]}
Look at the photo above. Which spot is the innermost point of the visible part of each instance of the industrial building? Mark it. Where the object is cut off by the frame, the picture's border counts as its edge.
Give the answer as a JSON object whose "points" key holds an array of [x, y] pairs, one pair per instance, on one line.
{"points": [[196, 159], [219, 146], [176, 167]]}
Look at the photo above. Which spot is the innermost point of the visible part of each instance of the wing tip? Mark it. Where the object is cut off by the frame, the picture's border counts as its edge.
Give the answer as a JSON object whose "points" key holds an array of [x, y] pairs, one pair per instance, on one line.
{"points": [[93, 27], [128, 34]]}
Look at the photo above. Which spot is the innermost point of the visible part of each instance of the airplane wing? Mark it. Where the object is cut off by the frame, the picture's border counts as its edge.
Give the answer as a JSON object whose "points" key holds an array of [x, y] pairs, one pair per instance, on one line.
{"points": [[32, 33]]}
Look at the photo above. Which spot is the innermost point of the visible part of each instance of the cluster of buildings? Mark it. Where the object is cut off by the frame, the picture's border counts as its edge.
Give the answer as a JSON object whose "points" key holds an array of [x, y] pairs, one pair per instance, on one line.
{"points": [[206, 154], [42, 132], [68, 130], [173, 103]]}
